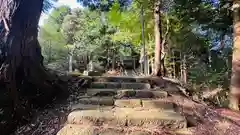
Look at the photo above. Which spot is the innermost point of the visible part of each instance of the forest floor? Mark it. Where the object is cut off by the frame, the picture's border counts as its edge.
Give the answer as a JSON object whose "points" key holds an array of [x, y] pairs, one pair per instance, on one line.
{"points": [[48, 121], [201, 119]]}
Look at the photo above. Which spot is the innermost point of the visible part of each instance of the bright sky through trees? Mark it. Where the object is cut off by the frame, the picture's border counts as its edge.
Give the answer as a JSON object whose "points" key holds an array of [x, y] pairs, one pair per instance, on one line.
{"points": [[70, 3]]}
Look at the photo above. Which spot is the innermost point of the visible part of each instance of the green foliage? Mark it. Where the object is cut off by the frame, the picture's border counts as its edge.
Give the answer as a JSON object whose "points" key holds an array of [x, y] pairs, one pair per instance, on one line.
{"points": [[85, 30], [50, 37], [209, 14], [192, 26], [79, 32], [103, 5], [129, 24]]}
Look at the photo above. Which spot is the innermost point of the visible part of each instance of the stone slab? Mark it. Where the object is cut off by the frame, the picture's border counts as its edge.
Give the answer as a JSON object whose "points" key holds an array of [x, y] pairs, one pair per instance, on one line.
{"points": [[130, 93], [184, 131], [129, 103], [80, 106], [97, 117], [149, 118], [118, 85], [124, 78], [140, 133], [150, 94], [135, 86], [113, 79], [106, 85], [126, 93], [108, 101], [71, 129], [157, 104], [159, 94], [130, 117], [101, 92]]}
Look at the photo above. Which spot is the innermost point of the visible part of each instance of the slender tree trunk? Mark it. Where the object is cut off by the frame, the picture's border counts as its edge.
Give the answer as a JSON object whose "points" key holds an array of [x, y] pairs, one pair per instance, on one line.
{"points": [[174, 63], [184, 70], [148, 64], [113, 60], [70, 63], [235, 78], [141, 60], [162, 61], [152, 65], [158, 37], [70, 60]]}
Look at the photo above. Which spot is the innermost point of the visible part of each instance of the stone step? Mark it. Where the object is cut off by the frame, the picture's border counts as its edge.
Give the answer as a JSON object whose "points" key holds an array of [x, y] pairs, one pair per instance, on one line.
{"points": [[116, 85], [130, 93], [101, 92], [128, 103], [129, 117], [124, 103], [144, 103], [80, 106], [138, 79], [135, 86], [106, 101], [105, 85], [157, 104], [114, 79], [71, 129], [127, 93]]}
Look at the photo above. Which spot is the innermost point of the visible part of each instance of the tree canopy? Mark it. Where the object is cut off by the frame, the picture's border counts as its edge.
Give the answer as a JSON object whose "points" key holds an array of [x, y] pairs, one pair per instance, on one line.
{"points": [[199, 31]]}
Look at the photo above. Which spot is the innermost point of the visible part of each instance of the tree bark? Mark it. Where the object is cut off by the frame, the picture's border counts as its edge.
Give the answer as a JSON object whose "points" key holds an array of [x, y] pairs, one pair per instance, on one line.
{"points": [[113, 60], [235, 78], [21, 61], [70, 60], [19, 39], [158, 38], [184, 69], [70, 66]]}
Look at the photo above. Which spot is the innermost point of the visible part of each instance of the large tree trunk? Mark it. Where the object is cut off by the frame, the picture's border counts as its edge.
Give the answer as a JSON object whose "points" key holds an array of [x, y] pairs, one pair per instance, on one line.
{"points": [[158, 38], [22, 70], [235, 79], [21, 50]]}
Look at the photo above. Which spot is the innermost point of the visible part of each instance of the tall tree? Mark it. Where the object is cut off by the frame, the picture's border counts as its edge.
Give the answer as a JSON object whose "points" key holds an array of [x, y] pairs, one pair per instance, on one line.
{"points": [[156, 23], [21, 59], [158, 37], [235, 79]]}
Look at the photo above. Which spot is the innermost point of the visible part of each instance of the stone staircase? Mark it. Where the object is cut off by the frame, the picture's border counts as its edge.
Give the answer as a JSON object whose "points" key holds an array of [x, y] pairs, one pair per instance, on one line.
{"points": [[122, 106]]}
